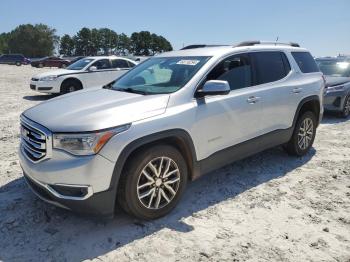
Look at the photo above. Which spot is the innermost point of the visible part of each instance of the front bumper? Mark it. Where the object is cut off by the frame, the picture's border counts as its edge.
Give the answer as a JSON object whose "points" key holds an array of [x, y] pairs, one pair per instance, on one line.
{"points": [[334, 101], [45, 86], [80, 184], [101, 204]]}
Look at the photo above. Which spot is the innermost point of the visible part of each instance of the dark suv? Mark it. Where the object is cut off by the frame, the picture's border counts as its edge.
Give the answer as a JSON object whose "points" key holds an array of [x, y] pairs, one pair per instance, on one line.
{"points": [[14, 59]]}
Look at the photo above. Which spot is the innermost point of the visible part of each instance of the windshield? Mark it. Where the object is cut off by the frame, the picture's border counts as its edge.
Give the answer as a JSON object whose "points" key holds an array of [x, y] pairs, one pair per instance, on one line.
{"points": [[160, 75], [80, 64], [334, 68]]}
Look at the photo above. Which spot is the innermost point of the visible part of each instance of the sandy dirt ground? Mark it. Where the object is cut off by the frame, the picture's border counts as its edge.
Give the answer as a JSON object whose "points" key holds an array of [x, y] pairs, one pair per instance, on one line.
{"points": [[269, 207]]}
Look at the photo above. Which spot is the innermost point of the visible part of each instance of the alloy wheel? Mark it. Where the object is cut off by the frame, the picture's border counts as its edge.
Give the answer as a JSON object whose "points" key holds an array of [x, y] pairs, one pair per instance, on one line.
{"points": [[306, 133], [158, 183]]}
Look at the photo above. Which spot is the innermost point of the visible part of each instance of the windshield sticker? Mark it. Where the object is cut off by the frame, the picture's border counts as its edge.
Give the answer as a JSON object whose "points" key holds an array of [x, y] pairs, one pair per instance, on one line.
{"points": [[188, 62]]}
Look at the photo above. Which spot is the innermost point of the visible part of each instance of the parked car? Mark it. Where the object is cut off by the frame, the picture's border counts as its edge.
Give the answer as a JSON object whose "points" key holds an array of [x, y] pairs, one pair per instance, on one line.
{"points": [[337, 93], [85, 73], [51, 61], [170, 119], [14, 59]]}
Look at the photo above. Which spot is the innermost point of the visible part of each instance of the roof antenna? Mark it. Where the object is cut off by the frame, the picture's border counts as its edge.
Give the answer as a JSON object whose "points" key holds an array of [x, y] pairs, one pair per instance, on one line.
{"points": [[276, 40]]}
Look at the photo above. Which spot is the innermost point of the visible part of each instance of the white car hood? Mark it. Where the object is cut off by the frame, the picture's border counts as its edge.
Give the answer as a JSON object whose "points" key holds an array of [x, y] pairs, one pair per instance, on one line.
{"points": [[90, 110], [56, 73]]}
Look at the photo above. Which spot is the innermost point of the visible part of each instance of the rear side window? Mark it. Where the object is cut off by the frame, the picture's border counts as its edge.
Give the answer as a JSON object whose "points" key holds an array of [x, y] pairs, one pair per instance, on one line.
{"points": [[236, 70], [119, 63], [130, 64], [305, 62], [270, 66]]}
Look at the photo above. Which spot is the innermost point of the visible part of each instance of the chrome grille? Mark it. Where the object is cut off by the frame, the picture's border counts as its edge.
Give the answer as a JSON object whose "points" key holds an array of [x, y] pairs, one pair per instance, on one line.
{"points": [[33, 141]]}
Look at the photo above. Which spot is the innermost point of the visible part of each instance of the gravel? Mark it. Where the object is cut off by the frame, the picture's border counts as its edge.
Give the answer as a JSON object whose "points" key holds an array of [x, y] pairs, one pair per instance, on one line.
{"points": [[269, 207]]}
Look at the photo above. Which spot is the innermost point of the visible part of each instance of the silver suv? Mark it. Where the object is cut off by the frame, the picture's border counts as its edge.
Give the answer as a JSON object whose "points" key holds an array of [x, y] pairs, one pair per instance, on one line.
{"points": [[138, 140]]}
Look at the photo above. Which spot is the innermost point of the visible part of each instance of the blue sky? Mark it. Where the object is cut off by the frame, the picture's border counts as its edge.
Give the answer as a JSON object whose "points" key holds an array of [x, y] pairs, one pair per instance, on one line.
{"points": [[322, 26]]}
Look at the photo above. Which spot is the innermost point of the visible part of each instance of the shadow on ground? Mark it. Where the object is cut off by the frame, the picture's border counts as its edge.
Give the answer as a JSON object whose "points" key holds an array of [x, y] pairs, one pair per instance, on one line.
{"points": [[32, 229], [333, 118], [39, 97]]}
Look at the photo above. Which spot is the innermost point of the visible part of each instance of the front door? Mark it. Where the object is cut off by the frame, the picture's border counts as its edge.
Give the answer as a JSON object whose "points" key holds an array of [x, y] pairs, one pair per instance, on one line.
{"points": [[224, 121]]}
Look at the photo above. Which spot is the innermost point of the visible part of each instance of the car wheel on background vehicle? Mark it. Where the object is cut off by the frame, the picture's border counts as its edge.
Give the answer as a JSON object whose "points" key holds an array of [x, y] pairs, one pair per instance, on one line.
{"points": [[63, 66], [18, 63], [40, 65], [153, 182], [69, 86], [303, 135], [346, 110]]}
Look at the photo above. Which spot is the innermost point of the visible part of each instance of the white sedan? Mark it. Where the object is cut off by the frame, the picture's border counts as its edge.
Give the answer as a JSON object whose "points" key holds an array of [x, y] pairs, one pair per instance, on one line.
{"points": [[85, 73]]}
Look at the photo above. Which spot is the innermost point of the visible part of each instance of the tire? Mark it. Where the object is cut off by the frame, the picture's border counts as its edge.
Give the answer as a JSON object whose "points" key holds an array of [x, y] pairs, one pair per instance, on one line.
{"points": [[40, 65], [346, 108], [18, 63], [141, 191], [63, 65], [70, 86], [301, 140]]}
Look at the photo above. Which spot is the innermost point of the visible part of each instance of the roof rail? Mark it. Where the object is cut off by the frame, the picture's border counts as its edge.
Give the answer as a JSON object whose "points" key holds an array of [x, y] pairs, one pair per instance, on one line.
{"points": [[251, 43], [199, 46]]}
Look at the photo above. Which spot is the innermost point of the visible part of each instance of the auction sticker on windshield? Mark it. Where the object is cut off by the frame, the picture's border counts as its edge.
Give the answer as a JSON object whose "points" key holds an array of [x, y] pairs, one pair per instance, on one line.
{"points": [[188, 62]]}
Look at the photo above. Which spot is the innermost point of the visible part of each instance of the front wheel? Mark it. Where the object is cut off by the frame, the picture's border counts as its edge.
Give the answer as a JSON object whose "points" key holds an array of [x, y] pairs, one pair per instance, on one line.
{"points": [[346, 109], [303, 135], [153, 182], [70, 86]]}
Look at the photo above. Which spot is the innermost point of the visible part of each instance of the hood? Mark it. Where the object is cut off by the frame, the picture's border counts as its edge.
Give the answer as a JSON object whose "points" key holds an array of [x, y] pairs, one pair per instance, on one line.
{"points": [[336, 80], [56, 72], [90, 110]]}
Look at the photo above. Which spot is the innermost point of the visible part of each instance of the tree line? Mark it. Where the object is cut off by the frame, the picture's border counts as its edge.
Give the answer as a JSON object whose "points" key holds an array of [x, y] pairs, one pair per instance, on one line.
{"points": [[106, 41], [41, 40]]}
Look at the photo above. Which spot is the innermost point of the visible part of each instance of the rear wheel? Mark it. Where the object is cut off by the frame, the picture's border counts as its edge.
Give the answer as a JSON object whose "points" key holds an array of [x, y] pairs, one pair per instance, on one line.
{"points": [[18, 63], [70, 86], [153, 182], [303, 135], [346, 109], [40, 65], [63, 65]]}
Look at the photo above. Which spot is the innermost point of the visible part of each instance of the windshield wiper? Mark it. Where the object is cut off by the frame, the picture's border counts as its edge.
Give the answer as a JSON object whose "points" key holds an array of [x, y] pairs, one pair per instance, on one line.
{"points": [[108, 86], [132, 90]]}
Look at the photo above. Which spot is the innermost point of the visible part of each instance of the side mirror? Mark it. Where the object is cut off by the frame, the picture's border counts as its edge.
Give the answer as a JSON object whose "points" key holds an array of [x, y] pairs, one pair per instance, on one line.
{"points": [[214, 87], [92, 68]]}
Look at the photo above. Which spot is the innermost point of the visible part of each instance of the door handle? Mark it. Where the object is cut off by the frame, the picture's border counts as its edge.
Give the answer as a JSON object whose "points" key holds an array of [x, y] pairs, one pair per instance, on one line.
{"points": [[297, 90], [253, 99]]}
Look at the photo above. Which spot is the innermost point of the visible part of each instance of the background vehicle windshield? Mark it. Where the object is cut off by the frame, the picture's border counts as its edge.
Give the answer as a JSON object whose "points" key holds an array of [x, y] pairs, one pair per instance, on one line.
{"points": [[80, 64], [334, 68], [161, 75]]}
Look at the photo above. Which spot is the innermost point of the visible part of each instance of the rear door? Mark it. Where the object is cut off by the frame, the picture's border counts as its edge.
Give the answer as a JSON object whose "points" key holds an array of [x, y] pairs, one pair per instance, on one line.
{"points": [[272, 78], [119, 67], [99, 77]]}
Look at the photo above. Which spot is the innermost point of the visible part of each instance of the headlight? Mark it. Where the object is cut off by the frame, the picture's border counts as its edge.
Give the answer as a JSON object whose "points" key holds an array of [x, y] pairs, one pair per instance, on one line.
{"points": [[48, 78], [86, 143], [335, 89]]}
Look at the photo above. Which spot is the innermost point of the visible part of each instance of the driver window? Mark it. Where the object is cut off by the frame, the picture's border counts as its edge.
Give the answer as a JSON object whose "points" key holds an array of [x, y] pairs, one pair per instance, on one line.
{"points": [[236, 70], [102, 64]]}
